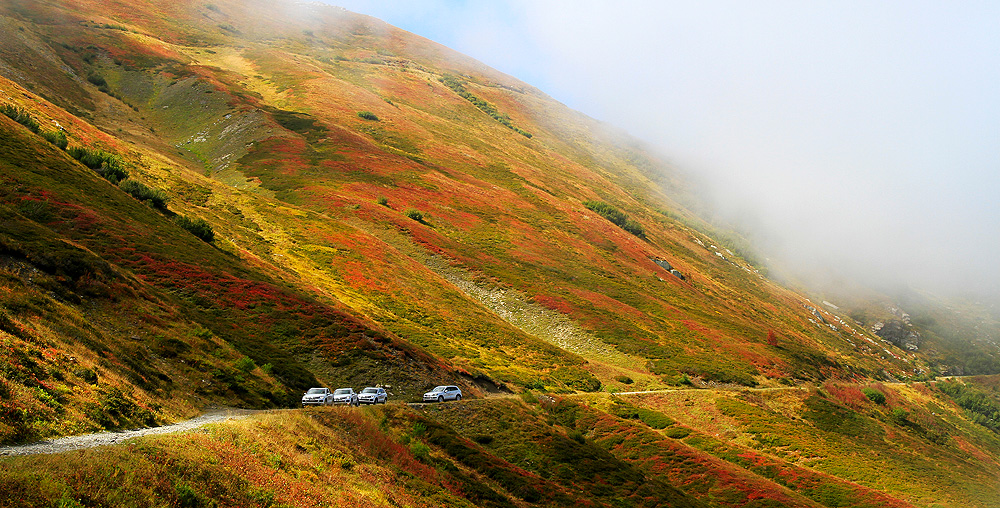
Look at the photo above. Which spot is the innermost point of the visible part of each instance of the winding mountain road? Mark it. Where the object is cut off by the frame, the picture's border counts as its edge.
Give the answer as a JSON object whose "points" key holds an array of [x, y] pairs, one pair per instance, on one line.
{"points": [[69, 443]]}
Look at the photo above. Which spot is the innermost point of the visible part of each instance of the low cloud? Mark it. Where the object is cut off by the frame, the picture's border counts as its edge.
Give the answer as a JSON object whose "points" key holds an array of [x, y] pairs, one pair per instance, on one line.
{"points": [[851, 138]]}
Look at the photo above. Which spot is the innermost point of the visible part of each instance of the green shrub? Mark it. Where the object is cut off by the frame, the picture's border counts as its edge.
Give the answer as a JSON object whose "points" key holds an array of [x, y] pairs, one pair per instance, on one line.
{"points": [[654, 419], [198, 227], [97, 80], [677, 432], [616, 217], [140, 191], [900, 416], [980, 406], [57, 138], [367, 115], [458, 86], [110, 166], [529, 398], [624, 379], [190, 498], [20, 116], [245, 365], [419, 429], [382, 200], [635, 228], [420, 450], [874, 395], [87, 375], [415, 215]]}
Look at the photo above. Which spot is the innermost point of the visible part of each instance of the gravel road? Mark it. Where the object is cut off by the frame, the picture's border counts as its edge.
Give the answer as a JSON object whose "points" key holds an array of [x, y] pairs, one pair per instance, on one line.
{"points": [[65, 444]]}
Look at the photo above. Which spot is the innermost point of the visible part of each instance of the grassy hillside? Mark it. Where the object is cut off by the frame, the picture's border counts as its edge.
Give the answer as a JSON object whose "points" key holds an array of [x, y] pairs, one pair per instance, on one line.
{"points": [[827, 447], [273, 109], [228, 202]]}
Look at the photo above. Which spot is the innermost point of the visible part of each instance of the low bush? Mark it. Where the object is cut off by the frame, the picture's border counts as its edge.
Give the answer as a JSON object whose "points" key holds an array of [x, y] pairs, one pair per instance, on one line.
{"points": [[874, 395], [382, 200], [616, 217], [980, 406], [367, 115], [458, 86], [245, 365], [20, 116], [110, 166], [420, 450], [97, 80], [198, 227], [415, 215], [143, 193], [57, 138], [677, 432]]}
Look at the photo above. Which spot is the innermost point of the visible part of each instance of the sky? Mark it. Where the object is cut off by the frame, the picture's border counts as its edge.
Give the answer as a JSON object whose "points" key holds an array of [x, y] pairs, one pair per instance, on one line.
{"points": [[857, 137]]}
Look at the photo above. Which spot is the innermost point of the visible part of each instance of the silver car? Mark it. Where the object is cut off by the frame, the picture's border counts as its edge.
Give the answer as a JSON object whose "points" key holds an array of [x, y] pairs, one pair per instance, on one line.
{"points": [[317, 397], [443, 393], [372, 395], [345, 396]]}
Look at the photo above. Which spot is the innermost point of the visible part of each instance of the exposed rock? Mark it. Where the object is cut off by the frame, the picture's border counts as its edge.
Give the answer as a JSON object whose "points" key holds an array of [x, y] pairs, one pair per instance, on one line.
{"points": [[663, 264], [899, 333]]}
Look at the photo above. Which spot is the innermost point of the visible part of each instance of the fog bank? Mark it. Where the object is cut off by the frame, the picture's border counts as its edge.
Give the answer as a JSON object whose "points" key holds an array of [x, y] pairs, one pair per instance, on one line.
{"points": [[852, 137]]}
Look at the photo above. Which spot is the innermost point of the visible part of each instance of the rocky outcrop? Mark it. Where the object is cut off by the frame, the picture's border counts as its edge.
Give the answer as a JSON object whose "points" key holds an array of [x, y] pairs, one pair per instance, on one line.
{"points": [[898, 332]]}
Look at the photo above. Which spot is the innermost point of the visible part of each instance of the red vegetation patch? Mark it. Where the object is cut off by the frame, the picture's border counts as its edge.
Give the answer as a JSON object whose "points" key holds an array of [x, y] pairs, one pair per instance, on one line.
{"points": [[850, 395], [610, 304], [553, 303]]}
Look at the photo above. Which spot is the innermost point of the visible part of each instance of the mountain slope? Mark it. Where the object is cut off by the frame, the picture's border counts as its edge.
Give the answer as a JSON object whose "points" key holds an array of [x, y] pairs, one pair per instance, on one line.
{"points": [[382, 210], [428, 196]]}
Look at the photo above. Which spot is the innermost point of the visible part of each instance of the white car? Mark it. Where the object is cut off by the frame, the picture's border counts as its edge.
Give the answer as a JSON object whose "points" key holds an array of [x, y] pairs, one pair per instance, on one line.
{"points": [[317, 397], [372, 395], [443, 393], [345, 396]]}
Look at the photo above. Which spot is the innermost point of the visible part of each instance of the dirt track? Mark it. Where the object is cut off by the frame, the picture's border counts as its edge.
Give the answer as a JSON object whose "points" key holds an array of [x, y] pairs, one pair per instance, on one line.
{"points": [[65, 444]]}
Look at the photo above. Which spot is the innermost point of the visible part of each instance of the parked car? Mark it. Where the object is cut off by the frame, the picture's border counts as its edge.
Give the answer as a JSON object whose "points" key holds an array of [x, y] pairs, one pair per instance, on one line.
{"points": [[345, 396], [317, 397], [372, 395], [443, 393]]}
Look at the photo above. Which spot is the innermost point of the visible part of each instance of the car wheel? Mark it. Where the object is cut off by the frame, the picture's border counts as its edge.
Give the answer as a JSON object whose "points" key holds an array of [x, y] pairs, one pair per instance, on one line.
{"points": [[440, 398], [458, 397]]}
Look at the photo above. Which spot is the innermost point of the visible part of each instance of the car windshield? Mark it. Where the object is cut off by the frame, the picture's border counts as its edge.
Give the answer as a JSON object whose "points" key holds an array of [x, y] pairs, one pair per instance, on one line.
{"points": [[370, 390], [342, 391], [439, 388], [316, 390]]}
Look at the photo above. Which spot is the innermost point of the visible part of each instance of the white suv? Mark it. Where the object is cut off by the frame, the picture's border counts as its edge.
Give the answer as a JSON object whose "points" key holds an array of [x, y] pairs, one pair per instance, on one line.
{"points": [[372, 395], [443, 393], [317, 397], [345, 396]]}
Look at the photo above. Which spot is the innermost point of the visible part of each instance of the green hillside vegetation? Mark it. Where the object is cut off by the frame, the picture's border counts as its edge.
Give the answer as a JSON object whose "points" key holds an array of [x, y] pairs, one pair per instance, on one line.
{"points": [[228, 203]]}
